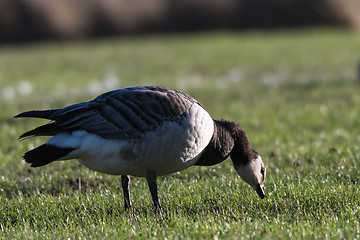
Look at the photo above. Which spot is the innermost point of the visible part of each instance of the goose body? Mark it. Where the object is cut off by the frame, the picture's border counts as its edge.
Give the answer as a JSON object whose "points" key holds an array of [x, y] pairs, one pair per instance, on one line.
{"points": [[145, 131], [156, 150]]}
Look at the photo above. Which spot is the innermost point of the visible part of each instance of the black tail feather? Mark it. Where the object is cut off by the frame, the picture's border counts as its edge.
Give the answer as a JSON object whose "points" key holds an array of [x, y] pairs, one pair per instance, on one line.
{"points": [[45, 154], [46, 114], [45, 130]]}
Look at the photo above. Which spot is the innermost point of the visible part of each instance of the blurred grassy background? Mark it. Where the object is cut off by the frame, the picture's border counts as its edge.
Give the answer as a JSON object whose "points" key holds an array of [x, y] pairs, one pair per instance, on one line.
{"points": [[284, 70], [296, 93], [29, 20]]}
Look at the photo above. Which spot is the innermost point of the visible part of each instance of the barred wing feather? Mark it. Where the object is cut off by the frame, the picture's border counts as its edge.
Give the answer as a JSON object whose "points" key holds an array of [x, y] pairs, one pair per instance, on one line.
{"points": [[124, 113]]}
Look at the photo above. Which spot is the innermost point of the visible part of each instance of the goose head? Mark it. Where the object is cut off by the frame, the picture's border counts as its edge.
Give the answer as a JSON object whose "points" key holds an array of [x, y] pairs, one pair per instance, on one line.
{"points": [[254, 173], [247, 162]]}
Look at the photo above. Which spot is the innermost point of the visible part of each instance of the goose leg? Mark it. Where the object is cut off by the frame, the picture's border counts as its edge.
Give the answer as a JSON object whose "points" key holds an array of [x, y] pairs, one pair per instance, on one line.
{"points": [[153, 186], [125, 185]]}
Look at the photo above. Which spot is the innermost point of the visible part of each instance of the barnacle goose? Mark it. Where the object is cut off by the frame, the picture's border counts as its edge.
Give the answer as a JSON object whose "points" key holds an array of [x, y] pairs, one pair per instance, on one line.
{"points": [[144, 131]]}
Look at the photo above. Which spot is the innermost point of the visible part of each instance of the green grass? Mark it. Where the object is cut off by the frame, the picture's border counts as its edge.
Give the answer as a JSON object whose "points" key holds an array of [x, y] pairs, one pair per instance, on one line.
{"points": [[295, 93]]}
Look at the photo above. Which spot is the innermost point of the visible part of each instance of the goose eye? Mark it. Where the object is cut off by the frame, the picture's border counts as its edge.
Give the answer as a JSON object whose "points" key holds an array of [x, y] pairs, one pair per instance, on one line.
{"points": [[262, 171]]}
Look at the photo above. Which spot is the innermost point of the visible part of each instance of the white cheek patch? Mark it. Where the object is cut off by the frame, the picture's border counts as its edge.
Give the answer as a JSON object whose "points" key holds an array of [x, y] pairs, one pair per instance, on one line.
{"points": [[251, 173], [264, 177], [258, 165], [245, 172]]}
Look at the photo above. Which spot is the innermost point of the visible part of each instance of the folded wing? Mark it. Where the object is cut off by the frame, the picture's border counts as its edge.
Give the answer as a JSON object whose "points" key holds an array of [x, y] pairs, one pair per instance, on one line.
{"points": [[119, 114]]}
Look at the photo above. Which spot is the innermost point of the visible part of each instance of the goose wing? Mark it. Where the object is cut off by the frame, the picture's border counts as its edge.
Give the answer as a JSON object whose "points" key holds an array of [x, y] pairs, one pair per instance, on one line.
{"points": [[119, 114]]}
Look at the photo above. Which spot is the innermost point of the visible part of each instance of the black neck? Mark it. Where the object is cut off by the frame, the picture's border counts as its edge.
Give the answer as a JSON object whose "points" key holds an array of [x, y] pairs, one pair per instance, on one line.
{"points": [[220, 146], [242, 153]]}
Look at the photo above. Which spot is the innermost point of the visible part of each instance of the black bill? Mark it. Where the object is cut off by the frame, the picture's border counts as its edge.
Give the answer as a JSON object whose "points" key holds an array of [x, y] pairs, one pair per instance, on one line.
{"points": [[260, 191]]}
